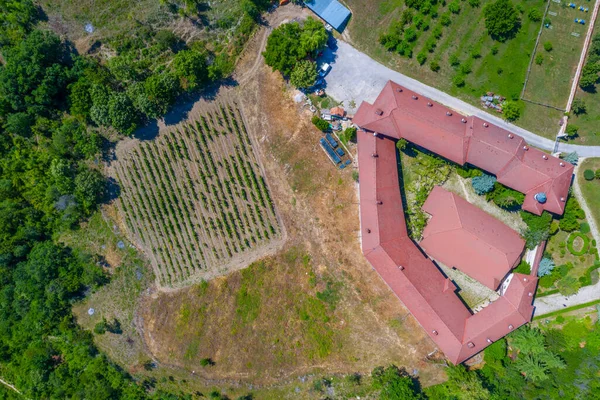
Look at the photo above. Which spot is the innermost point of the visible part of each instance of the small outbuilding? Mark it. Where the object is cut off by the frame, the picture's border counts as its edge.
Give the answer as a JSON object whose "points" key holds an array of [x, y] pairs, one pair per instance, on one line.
{"points": [[331, 11]]}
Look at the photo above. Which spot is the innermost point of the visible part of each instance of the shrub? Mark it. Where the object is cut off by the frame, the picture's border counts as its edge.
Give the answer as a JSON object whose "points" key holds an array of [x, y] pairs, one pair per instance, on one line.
{"points": [[511, 110], [435, 67], [321, 124], [597, 174], [401, 144], [505, 197], [474, 3], [445, 19], [523, 268], [421, 58], [548, 46], [538, 227], [494, 50], [572, 158], [459, 80], [534, 15], [454, 7], [539, 59], [207, 362], [571, 131], [483, 184], [589, 175], [304, 74], [349, 135], [579, 107], [584, 247], [546, 266], [454, 60], [355, 176], [101, 327]]}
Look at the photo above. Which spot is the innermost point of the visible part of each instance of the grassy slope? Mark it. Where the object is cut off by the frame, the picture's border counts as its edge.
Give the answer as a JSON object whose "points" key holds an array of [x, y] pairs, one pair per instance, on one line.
{"points": [[467, 32]]}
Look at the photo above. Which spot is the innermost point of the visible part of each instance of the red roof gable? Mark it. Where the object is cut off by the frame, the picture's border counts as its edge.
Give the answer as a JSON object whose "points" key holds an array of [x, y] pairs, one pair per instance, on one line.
{"points": [[463, 236], [401, 113], [415, 279]]}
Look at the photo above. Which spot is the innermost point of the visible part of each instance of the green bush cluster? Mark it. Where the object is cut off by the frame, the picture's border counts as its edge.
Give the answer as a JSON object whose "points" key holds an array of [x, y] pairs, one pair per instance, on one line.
{"points": [[589, 74], [291, 44], [569, 221], [585, 246], [505, 197], [320, 123], [589, 175]]}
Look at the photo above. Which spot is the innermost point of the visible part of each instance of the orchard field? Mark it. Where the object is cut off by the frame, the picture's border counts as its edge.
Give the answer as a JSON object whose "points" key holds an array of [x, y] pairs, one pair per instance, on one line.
{"points": [[195, 199]]}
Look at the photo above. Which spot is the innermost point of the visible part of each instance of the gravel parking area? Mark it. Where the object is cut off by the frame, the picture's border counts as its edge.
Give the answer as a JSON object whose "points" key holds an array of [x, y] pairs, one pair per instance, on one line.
{"points": [[356, 77]]}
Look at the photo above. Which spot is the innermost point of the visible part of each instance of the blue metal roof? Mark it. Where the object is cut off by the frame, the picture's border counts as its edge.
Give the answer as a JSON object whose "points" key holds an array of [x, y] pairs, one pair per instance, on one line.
{"points": [[334, 13]]}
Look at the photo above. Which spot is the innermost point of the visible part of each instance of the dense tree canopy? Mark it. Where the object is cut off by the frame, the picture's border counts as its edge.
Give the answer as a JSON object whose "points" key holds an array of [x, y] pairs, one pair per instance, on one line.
{"points": [[501, 19], [304, 74], [292, 42]]}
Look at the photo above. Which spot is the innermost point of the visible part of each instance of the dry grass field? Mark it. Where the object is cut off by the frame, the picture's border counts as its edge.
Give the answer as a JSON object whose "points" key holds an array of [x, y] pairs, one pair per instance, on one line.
{"points": [[195, 199]]}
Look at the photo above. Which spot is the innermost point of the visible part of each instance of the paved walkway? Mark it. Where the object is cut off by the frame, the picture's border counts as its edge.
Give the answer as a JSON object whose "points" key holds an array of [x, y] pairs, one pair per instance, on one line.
{"points": [[355, 77]]}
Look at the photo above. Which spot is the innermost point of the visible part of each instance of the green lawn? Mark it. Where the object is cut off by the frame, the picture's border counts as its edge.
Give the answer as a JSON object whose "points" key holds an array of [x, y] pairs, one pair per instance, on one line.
{"points": [[591, 189], [465, 38], [588, 123], [550, 82]]}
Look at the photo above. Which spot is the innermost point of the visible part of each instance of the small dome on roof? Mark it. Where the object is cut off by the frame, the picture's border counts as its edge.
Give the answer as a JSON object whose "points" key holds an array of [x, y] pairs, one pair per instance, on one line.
{"points": [[541, 197]]}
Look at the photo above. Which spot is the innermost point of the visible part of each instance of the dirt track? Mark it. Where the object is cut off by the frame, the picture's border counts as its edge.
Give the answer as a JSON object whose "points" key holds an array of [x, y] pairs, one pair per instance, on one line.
{"points": [[318, 206]]}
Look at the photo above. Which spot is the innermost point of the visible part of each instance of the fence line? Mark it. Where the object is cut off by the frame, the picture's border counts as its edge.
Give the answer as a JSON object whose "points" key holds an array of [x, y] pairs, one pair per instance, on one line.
{"points": [[542, 104], [537, 40]]}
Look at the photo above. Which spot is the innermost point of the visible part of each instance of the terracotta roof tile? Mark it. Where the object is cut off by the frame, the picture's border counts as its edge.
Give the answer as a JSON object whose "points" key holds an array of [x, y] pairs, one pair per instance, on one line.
{"points": [[401, 113]]}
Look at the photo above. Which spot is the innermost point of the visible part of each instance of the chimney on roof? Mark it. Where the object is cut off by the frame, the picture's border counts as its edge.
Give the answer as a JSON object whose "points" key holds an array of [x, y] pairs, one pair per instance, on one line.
{"points": [[448, 113], [485, 124], [545, 157], [525, 148], [510, 136], [434, 332], [379, 202], [415, 97], [470, 345], [400, 267], [464, 121], [368, 230], [524, 279], [399, 90], [379, 111], [429, 104], [530, 294], [488, 340], [375, 134], [562, 164], [374, 155], [511, 327], [562, 199]]}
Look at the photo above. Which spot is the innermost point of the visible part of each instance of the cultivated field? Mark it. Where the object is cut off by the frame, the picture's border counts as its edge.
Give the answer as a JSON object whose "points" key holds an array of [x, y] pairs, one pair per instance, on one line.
{"points": [[195, 199]]}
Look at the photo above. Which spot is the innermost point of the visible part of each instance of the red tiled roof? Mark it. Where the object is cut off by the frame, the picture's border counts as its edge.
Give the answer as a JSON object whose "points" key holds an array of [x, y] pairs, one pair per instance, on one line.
{"points": [[401, 113], [415, 279], [463, 236]]}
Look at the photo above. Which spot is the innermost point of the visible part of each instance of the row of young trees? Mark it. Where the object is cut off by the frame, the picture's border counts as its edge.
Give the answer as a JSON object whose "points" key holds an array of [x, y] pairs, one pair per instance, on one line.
{"points": [[197, 198]]}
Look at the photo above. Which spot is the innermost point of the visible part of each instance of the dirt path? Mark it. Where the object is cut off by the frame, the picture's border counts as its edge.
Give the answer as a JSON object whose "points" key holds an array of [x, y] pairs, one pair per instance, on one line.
{"points": [[8, 385]]}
